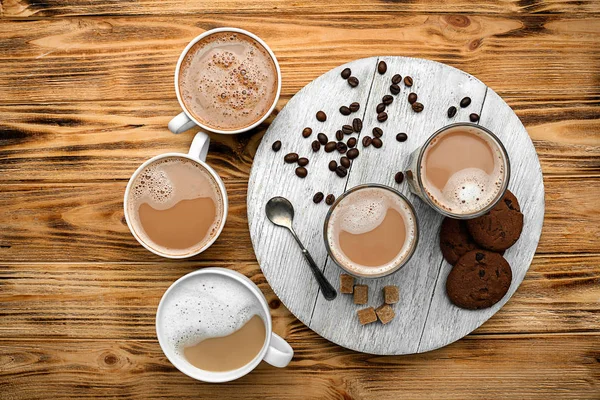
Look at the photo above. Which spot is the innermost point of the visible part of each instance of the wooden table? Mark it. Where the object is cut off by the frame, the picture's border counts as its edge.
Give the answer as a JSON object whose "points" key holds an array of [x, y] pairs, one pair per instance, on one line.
{"points": [[86, 91]]}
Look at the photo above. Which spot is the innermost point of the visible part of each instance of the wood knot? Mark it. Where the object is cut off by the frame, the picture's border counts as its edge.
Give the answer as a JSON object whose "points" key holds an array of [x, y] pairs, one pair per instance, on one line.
{"points": [[110, 359], [475, 44], [460, 21], [274, 304]]}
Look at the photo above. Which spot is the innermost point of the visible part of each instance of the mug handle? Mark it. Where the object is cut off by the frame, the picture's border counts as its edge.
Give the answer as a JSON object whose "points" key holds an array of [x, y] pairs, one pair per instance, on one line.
{"points": [[280, 353], [199, 147], [181, 123]]}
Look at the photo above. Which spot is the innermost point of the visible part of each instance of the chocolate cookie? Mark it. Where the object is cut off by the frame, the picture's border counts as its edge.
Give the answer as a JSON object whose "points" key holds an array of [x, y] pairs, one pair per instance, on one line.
{"points": [[478, 280], [455, 240], [501, 227]]}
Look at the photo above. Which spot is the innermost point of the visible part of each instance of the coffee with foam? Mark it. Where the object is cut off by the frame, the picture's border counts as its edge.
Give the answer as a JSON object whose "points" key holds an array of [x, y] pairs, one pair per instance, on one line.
{"points": [[371, 231], [463, 170], [228, 81], [175, 206]]}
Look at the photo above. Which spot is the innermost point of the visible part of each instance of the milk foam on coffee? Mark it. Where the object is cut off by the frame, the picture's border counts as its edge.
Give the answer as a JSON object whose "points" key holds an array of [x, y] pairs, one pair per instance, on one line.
{"points": [[463, 170], [365, 211], [228, 81], [187, 193], [206, 306]]}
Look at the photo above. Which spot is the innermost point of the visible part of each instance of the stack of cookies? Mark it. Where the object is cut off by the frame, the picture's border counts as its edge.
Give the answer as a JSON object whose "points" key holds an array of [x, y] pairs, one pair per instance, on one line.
{"points": [[481, 276]]}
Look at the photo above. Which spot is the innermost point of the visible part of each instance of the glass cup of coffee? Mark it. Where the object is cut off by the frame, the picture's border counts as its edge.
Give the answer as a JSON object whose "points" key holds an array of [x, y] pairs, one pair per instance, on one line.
{"points": [[227, 81], [461, 171], [371, 231], [175, 204], [214, 325]]}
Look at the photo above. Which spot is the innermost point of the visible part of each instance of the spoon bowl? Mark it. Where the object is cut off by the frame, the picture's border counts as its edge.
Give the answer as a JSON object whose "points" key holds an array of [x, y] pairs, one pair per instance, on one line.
{"points": [[280, 211]]}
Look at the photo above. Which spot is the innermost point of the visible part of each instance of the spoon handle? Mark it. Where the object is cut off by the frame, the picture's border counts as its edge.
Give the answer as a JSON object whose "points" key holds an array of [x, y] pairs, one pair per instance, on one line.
{"points": [[328, 291]]}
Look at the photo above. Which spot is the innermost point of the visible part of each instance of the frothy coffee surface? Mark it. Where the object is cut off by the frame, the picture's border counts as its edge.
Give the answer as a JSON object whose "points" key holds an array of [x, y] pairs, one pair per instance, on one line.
{"points": [[203, 307], [371, 231], [228, 81], [175, 206], [463, 170]]}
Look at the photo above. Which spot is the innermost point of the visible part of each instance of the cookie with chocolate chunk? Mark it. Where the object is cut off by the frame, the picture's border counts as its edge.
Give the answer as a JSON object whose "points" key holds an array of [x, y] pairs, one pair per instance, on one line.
{"points": [[455, 240], [479, 279], [501, 227]]}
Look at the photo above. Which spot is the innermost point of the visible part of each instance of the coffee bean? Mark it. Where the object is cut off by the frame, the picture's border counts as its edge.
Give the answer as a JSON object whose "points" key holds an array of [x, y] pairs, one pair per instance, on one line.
{"points": [[408, 81], [417, 107], [387, 99], [344, 110], [303, 161], [330, 146], [394, 89], [290, 158], [322, 138], [357, 125], [341, 171], [381, 67], [276, 146], [353, 153], [321, 116], [382, 116], [330, 199], [396, 79], [316, 146], [366, 142], [380, 108], [301, 172], [401, 137], [353, 81], [465, 102], [377, 143], [318, 197], [341, 147], [399, 177], [377, 132], [332, 165], [347, 129], [474, 117], [306, 132], [451, 112], [339, 135], [345, 161], [412, 98], [354, 107], [346, 72], [351, 142]]}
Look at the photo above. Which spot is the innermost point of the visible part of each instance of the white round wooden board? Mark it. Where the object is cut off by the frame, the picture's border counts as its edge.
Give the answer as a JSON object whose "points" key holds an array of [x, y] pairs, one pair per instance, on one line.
{"points": [[425, 318]]}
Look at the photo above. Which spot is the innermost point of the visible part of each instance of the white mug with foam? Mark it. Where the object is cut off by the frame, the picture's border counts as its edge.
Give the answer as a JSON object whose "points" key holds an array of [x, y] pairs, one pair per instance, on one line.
{"points": [[275, 350]]}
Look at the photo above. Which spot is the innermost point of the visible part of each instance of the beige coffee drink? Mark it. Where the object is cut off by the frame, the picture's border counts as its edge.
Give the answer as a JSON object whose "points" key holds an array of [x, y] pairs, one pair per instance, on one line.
{"points": [[175, 206], [228, 81], [371, 231]]}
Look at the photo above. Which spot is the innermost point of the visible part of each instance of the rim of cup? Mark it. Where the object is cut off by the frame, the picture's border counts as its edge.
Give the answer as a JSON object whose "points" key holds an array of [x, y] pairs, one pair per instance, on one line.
{"points": [[210, 376], [236, 30], [217, 179]]}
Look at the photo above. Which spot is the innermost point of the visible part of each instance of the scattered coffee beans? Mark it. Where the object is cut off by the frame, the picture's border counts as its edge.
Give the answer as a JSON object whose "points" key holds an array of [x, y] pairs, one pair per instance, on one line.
{"points": [[345, 161], [401, 137], [408, 81], [381, 67], [377, 132], [346, 72], [357, 125], [394, 89], [412, 98], [316, 146], [396, 79], [382, 116], [321, 116], [351, 142], [318, 197], [303, 161], [330, 146], [387, 99], [353, 81], [399, 177], [366, 142], [322, 138], [354, 107], [377, 143], [276, 146], [306, 132], [474, 117], [417, 107], [353, 153], [347, 129], [339, 135], [332, 165], [451, 112], [465, 102], [344, 110], [290, 158], [341, 171], [330, 199], [301, 172], [380, 108], [341, 147]]}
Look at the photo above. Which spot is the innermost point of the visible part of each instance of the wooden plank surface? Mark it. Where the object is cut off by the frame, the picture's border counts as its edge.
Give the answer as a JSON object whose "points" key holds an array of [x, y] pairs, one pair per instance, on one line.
{"points": [[85, 95]]}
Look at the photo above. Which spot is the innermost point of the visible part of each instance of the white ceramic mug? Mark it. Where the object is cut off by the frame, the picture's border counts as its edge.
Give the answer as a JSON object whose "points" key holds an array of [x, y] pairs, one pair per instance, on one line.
{"points": [[185, 120], [198, 151], [275, 350]]}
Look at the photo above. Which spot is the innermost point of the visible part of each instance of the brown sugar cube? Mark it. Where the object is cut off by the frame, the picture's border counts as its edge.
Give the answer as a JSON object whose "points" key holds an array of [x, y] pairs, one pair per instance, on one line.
{"points": [[385, 313], [361, 294], [366, 315], [346, 283], [391, 294]]}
